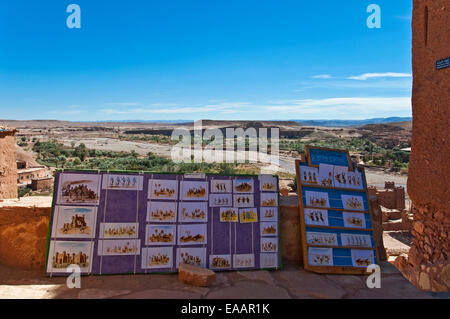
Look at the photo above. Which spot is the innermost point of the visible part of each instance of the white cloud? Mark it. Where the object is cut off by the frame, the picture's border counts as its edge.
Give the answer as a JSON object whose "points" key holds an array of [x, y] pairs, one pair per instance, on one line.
{"points": [[122, 104], [322, 76], [367, 76]]}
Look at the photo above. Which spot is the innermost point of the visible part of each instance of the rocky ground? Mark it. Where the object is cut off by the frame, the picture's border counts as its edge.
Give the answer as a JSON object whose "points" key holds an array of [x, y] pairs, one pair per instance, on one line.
{"points": [[290, 283]]}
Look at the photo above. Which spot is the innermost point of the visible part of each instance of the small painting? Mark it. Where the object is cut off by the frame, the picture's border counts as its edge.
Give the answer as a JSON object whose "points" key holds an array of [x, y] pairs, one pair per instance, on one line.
{"points": [[219, 261], [317, 199], [194, 190], [356, 240], [309, 175], [316, 217], [269, 214], [229, 214], [269, 245], [248, 215], [362, 258], [321, 239], [269, 229], [320, 256], [78, 189], [268, 183], [119, 230], [192, 234], [243, 200], [65, 253], [220, 200], [269, 199], [157, 235], [243, 185], [268, 260], [340, 176], [326, 175], [354, 220], [157, 257], [352, 202], [121, 247], [244, 261], [191, 256], [193, 212], [163, 189], [162, 212], [221, 186], [123, 182], [74, 222]]}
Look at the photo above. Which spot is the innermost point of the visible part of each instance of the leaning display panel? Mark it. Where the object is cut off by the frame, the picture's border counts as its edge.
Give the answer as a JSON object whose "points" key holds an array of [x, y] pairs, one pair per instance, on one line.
{"points": [[135, 222], [335, 220]]}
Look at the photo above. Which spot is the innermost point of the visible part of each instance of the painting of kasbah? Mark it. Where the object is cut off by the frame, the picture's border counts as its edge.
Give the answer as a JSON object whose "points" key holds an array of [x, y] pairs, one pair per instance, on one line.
{"points": [[163, 189], [123, 182], [243, 185], [65, 253], [193, 212], [268, 183], [78, 189], [74, 222], [219, 262], [162, 212], [191, 256], [269, 199], [121, 247], [192, 234], [119, 230], [194, 190], [157, 235], [157, 257]]}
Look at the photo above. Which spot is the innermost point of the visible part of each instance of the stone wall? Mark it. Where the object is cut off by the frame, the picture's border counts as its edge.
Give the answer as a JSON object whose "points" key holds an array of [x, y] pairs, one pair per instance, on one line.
{"points": [[427, 265], [8, 166]]}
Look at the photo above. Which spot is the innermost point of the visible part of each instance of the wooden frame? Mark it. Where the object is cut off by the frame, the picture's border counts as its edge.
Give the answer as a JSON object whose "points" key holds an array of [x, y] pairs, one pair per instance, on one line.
{"points": [[350, 270]]}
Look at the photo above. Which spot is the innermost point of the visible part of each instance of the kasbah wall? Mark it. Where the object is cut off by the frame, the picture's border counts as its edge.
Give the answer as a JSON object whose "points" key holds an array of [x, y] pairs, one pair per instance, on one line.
{"points": [[8, 166], [427, 265]]}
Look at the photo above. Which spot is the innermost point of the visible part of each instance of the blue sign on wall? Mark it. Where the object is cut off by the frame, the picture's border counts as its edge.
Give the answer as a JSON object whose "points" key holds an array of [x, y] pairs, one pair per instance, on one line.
{"points": [[442, 64]]}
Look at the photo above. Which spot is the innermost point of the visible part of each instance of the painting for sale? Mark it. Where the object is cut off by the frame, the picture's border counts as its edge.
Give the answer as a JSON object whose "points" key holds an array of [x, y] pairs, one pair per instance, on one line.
{"points": [[220, 200], [269, 245], [362, 258], [121, 247], [219, 262], [221, 186], [243, 185], [309, 175], [268, 260], [269, 199], [317, 199], [326, 175], [244, 261], [316, 217], [65, 253], [163, 189], [78, 189], [158, 235], [229, 214], [74, 222], [269, 214], [320, 256], [356, 240], [269, 228], [352, 202], [354, 220], [248, 215], [157, 257], [190, 212], [162, 212], [123, 182], [119, 230], [194, 190], [243, 200], [267, 183], [191, 256], [192, 234]]}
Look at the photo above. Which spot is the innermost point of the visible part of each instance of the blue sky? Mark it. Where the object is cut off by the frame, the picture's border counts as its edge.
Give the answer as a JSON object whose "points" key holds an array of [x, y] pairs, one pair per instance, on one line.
{"points": [[204, 59]]}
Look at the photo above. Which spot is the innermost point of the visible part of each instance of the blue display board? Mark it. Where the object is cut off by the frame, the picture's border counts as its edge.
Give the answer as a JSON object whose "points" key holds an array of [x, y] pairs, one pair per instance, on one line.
{"points": [[336, 225]]}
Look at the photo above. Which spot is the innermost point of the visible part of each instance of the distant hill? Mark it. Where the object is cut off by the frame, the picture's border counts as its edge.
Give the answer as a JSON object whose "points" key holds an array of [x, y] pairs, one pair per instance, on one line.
{"points": [[343, 123]]}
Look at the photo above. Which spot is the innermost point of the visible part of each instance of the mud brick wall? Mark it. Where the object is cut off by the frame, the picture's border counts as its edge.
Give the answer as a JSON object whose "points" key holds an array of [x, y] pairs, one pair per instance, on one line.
{"points": [[8, 166], [428, 264]]}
